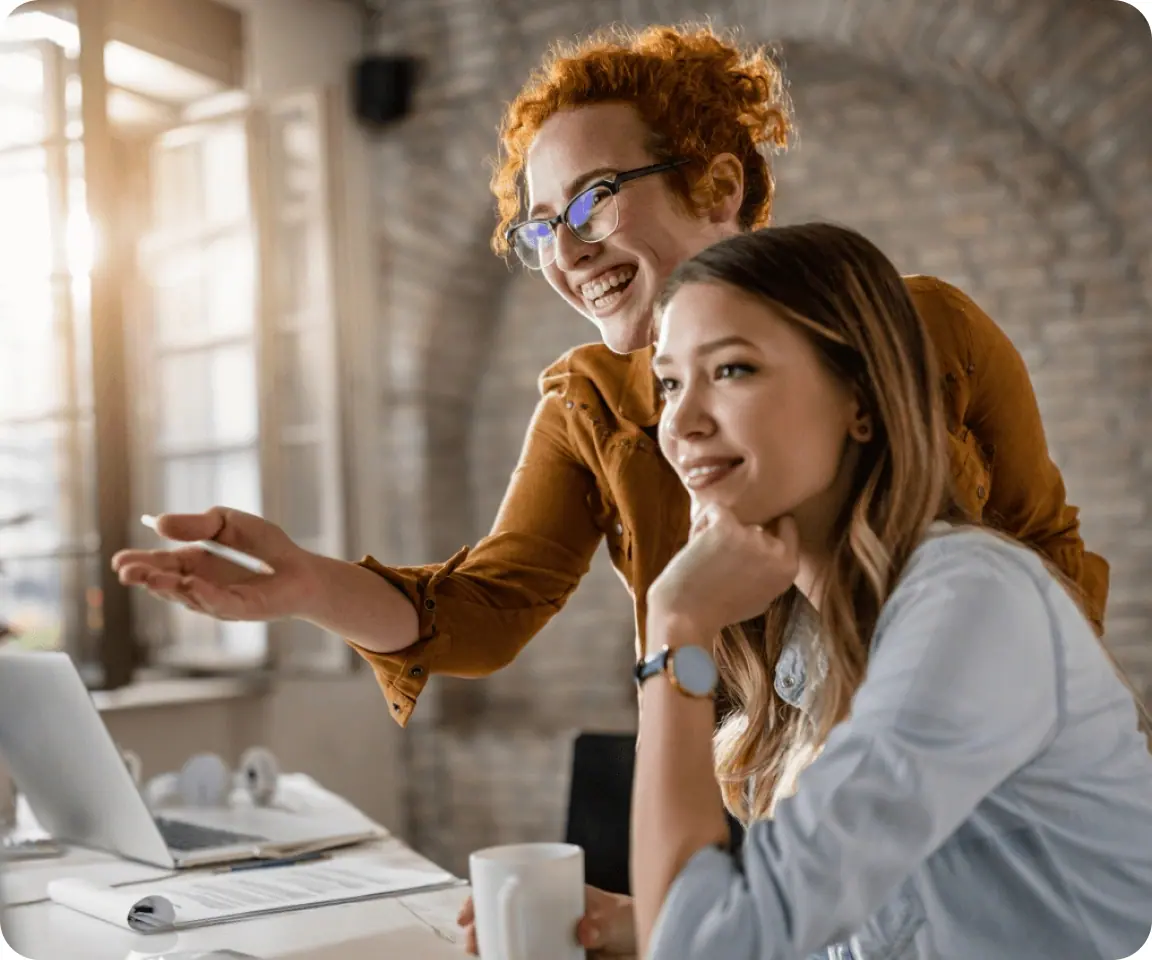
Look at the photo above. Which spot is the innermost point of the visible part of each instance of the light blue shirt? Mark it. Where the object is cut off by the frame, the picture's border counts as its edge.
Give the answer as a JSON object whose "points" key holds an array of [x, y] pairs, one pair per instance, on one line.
{"points": [[989, 798]]}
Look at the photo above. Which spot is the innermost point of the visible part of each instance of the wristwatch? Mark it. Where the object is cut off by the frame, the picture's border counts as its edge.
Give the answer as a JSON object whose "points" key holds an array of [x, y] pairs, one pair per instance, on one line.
{"points": [[691, 670]]}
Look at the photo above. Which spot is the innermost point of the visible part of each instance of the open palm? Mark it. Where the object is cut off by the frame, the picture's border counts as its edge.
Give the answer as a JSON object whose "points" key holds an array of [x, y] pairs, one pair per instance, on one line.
{"points": [[209, 584]]}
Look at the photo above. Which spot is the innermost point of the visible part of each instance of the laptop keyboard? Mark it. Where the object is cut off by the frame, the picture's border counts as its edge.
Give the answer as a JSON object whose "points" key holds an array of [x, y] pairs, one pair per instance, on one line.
{"points": [[185, 837]]}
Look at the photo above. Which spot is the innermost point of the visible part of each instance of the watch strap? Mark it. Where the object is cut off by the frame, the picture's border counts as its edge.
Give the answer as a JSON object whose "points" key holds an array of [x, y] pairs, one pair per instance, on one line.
{"points": [[651, 666], [666, 661]]}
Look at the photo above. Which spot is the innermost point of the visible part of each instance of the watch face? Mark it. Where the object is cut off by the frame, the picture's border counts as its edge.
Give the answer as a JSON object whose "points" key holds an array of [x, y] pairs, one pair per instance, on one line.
{"points": [[695, 670]]}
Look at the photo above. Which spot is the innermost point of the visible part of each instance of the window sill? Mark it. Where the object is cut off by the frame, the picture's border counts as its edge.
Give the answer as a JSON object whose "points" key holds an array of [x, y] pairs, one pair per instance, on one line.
{"points": [[159, 690]]}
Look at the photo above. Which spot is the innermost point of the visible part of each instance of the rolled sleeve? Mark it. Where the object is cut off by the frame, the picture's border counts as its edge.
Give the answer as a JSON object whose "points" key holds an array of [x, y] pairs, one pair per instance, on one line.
{"points": [[480, 609], [962, 690], [402, 675]]}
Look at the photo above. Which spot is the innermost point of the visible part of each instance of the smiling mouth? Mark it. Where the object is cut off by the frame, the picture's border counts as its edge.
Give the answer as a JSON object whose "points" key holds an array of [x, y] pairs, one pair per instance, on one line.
{"points": [[698, 478], [607, 299]]}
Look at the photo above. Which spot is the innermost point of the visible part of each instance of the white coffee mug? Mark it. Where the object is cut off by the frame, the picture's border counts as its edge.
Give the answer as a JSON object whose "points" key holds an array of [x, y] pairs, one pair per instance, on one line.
{"points": [[529, 898]]}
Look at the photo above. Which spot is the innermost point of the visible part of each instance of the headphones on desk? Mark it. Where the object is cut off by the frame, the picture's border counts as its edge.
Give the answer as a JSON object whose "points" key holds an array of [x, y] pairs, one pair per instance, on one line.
{"points": [[206, 781]]}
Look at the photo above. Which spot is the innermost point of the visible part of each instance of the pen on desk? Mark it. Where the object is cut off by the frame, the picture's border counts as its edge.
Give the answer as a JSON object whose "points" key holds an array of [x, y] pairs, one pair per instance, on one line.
{"points": [[226, 553], [275, 862]]}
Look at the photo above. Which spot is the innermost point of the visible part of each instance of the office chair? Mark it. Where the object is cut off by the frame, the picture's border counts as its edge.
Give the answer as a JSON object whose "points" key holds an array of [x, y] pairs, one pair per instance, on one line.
{"points": [[600, 806]]}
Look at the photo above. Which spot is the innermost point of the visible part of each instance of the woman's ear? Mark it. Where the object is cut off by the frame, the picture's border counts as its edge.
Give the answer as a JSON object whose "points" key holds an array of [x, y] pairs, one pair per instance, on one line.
{"points": [[719, 193], [861, 428]]}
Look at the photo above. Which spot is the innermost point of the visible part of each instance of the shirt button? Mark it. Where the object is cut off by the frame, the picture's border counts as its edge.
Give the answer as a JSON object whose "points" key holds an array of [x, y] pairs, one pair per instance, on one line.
{"points": [[980, 492], [396, 707], [429, 604], [788, 682], [569, 404], [416, 671], [619, 529]]}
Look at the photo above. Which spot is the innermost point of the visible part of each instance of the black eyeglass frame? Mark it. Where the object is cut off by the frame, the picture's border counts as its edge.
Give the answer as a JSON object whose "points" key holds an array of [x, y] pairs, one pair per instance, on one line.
{"points": [[613, 184]]}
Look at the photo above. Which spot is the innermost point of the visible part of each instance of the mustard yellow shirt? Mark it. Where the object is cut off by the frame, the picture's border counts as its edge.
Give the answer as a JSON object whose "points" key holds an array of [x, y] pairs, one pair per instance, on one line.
{"points": [[590, 469]]}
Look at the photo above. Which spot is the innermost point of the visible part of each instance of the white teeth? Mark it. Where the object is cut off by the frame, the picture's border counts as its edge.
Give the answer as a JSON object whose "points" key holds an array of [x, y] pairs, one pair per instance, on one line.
{"points": [[602, 303], [601, 285], [704, 471]]}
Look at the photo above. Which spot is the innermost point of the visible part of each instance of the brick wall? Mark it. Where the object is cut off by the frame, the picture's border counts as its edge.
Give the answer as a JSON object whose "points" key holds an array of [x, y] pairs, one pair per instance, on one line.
{"points": [[1000, 144]]}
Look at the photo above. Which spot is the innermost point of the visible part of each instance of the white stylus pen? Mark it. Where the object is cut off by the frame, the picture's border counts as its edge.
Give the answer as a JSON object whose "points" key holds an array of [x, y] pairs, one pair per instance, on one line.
{"points": [[211, 546]]}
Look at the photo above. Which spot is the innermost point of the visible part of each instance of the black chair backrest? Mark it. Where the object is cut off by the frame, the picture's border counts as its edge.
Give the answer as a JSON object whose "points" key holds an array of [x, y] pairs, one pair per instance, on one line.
{"points": [[600, 807]]}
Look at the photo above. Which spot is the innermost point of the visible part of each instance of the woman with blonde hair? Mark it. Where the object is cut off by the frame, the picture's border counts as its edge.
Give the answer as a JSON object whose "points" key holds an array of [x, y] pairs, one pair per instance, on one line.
{"points": [[935, 754]]}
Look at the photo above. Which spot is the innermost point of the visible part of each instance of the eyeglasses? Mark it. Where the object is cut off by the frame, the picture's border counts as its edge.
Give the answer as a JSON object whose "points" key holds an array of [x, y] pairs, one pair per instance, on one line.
{"points": [[592, 215]]}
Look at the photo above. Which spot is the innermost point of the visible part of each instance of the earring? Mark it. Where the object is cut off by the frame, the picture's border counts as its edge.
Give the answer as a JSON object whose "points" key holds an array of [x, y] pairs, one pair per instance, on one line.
{"points": [[862, 431]]}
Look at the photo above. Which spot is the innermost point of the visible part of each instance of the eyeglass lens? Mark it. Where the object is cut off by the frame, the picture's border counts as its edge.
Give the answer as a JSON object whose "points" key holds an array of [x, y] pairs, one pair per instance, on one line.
{"points": [[591, 216]]}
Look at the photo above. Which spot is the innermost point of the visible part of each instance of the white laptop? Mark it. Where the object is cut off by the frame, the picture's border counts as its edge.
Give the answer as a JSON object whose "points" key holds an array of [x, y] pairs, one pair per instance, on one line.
{"points": [[64, 762]]}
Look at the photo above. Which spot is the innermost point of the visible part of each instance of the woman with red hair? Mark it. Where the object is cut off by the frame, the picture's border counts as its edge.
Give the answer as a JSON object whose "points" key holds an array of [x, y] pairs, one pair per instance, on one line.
{"points": [[623, 156]]}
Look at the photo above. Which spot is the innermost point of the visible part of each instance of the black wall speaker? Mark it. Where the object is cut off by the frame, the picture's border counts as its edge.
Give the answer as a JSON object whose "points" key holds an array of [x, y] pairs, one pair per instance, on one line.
{"points": [[382, 88]]}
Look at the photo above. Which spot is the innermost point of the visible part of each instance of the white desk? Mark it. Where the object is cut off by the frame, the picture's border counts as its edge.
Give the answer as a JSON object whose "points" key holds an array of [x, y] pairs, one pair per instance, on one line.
{"points": [[413, 928]]}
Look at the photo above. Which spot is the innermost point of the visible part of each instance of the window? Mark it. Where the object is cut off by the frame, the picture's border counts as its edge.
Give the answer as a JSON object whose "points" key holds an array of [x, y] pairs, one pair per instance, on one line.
{"points": [[237, 341], [49, 580], [199, 440], [179, 353]]}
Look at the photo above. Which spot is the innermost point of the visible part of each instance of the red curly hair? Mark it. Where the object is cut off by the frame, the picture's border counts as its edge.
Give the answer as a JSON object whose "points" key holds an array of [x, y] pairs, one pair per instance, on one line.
{"points": [[699, 92]]}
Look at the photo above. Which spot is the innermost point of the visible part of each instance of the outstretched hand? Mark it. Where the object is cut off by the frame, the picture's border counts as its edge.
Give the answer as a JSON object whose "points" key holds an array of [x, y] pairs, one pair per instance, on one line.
{"points": [[201, 581]]}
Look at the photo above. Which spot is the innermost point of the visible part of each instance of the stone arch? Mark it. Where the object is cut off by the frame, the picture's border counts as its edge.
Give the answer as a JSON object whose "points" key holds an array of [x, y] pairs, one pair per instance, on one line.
{"points": [[1079, 73]]}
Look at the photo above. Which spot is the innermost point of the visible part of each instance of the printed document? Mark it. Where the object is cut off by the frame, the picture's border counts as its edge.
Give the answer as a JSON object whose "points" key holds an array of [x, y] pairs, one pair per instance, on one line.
{"points": [[200, 899]]}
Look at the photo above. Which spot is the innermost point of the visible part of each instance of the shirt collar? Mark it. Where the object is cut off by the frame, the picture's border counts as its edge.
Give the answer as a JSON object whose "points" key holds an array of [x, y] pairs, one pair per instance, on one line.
{"points": [[641, 402]]}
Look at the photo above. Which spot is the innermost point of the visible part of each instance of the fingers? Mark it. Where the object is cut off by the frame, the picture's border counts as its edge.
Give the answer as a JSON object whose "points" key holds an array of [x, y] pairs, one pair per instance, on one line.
{"points": [[170, 587], [588, 933], [780, 536], [467, 914], [191, 526], [160, 569], [467, 918], [172, 592], [158, 581], [709, 516], [233, 528], [197, 594], [608, 924], [188, 577], [139, 561]]}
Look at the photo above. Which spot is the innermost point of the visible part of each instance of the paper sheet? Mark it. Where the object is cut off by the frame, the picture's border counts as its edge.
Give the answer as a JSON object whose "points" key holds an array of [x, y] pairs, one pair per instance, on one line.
{"points": [[28, 881], [201, 899]]}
